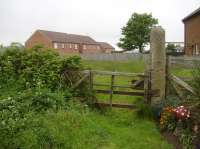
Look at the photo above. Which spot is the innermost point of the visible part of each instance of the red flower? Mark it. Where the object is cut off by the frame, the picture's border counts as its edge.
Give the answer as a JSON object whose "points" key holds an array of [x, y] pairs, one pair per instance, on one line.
{"points": [[181, 112]]}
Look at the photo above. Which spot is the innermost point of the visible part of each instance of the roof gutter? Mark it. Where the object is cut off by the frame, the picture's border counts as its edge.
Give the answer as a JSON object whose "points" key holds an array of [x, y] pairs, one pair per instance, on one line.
{"points": [[193, 14]]}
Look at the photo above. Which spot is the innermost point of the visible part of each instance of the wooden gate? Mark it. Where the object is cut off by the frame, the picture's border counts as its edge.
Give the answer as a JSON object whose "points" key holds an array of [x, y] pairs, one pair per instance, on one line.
{"points": [[137, 86], [154, 79]]}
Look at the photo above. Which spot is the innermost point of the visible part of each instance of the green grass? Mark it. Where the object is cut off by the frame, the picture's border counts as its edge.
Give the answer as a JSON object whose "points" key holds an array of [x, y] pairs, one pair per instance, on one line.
{"points": [[124, 128], [126, 66], [181, 72], [79, 127], [73, 125], [114, 129]]}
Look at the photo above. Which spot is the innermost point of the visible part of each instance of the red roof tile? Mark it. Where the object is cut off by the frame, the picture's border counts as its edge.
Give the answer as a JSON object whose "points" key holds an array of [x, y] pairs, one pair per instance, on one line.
{"points": [[64, 37]]}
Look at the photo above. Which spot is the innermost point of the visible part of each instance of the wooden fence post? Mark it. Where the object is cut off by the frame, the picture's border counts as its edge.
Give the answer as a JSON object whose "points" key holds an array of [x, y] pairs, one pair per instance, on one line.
{"points": [[91, 83], [167, 75], [111, 89], [147, 79], [158, 60]]}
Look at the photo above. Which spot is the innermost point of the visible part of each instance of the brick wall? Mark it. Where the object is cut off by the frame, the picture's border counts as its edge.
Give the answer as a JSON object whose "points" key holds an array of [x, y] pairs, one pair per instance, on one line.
{"points": [[64, 48], [192, 35], [91, 49], [108, 50], [38, 38]]}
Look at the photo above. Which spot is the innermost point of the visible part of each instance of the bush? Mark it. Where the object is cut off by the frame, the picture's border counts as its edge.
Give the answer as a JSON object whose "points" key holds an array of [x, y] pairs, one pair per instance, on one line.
{"points": [[22, 117], [37, 67], [40, 68], [34, 87], [63, 129], [13, 120], [18, 113]]}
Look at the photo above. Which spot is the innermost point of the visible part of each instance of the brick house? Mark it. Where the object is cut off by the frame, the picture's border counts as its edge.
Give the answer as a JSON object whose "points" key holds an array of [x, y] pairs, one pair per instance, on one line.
{"points": [[107, 48], [192, 33], [67, 43]]}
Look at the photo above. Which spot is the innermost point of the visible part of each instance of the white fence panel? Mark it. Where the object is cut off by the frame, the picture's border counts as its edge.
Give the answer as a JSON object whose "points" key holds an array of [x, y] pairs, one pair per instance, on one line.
{"points": [[112, 56], [184, 61]]}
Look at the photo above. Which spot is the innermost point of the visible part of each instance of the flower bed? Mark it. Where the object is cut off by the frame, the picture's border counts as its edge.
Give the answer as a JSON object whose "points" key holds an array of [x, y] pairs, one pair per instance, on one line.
{"points": [[180, 122]]}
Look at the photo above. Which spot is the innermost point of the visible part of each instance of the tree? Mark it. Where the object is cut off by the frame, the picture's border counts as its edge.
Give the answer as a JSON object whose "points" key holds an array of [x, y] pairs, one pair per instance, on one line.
{"points": [[171, 47], [1, 47], [16, 44], [136, 33]]}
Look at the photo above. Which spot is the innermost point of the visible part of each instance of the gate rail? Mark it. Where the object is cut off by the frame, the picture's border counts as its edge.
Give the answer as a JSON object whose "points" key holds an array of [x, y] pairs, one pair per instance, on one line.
{"points": [[89, 74]]}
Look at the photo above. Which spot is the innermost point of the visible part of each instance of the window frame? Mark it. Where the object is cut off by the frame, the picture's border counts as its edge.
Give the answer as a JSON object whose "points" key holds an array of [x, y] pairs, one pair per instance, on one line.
{"points": [[197, 49], [55, 45], [70, 46], [84, 47], [76, 46], [63, 45]]}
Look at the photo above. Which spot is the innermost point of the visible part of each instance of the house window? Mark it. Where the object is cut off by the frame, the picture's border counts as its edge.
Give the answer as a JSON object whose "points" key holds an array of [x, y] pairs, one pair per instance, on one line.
{"points": [[84, 47], [195, 49], [55, 45], [98, 48], [70, 45], [76, 46], [63, 45]]}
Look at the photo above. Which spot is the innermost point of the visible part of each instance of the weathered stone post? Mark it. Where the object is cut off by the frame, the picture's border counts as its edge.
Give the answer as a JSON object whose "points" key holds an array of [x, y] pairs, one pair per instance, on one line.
{"points": [[158, 62]]}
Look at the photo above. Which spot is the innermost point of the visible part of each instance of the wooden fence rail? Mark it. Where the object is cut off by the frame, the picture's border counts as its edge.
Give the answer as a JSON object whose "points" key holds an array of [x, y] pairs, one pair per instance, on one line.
{"points": [[118, 86], [112, 86], [180, 86], [126, 74], [137, 91], [137, 86]]}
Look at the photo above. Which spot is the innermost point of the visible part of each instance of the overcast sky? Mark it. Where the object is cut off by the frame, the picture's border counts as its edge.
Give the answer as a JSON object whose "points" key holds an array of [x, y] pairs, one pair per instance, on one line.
{"points": [[100, 19]]}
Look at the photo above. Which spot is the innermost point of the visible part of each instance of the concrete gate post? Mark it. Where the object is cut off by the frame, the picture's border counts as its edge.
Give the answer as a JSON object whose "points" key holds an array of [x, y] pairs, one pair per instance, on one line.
{"points": [[158, 62]]}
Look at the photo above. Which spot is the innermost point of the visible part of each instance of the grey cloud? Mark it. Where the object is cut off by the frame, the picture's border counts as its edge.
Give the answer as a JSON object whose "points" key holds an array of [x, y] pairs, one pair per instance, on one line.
{"points": [[101, 19]]}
